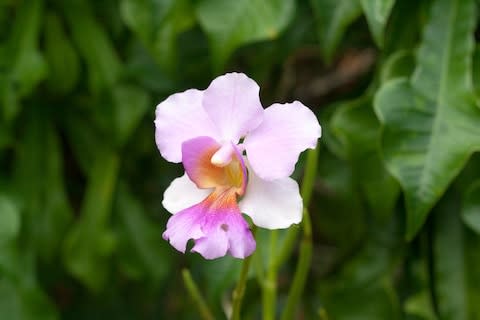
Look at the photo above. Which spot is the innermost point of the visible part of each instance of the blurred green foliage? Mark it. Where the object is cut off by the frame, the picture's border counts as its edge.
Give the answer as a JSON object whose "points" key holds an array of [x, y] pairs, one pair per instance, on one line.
{"points": [[396, 201]]}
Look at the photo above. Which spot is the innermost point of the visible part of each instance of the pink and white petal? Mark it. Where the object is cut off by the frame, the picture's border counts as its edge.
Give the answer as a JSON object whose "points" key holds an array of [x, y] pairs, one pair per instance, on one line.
{"points": [[232, 101], [215, 242], [225, 231], [274, 147], [183, 193], [179, 118], [184, 226], [240, 238], [275, 204], [215, 224]]}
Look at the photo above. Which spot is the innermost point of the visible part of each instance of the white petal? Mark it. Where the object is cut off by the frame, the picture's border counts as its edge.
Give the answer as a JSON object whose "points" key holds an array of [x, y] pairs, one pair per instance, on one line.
{"points": [[287, 129], [183, 193], [232, 101], [275, 204], [179, 118]]}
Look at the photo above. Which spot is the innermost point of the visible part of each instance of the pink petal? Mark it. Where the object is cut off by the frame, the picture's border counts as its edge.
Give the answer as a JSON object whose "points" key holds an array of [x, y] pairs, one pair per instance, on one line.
{"points": [[179, 118], [184, 226], [225, 231], [273, 204], [287, 130], [216, 225], [232, 101]]}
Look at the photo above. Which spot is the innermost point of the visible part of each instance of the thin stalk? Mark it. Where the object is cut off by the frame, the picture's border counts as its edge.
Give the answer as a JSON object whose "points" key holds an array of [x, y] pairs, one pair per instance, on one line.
{"points": [[197, 298], [258, 265], [309, 176], [240, 289], [306, 191], [305, 255], [287, 246], [270, 284], [301, 272]]}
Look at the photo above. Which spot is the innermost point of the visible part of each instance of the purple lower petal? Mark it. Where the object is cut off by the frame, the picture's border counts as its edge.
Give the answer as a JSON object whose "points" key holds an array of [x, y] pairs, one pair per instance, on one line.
{"points": [[216, 225], [184, 226]]}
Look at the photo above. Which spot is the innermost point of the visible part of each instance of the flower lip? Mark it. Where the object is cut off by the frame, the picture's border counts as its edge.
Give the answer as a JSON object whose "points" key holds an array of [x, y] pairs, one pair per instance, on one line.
{"points": [[215, 224]]}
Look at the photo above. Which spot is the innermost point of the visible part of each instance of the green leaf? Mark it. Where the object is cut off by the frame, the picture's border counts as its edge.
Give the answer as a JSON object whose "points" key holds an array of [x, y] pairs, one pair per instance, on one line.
{"points": [[28, 67], [119, 112], [130, 105], [94, 46], [430, 122], [90, 243], [476, 71], [40, 184], [63, 61], [157, 24], [420, 305], [142, 246], [9, 219], [399, 64], [402, 30], [377, 13], [333, 19], [24, 303], [356, 126], [86, 140], [456, 258], [471, 207], [23, 63], [231, 24]]}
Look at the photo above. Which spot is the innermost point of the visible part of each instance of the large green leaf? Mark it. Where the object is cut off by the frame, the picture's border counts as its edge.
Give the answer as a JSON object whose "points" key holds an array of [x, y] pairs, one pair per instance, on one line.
{"points": [[471, 207], [476, 71], [90, 243], [430, 121], [40, 184], [402, 30], [231, 24], [357, 128], [333, 19], [399, 64], [456, 260], [377, 13]]}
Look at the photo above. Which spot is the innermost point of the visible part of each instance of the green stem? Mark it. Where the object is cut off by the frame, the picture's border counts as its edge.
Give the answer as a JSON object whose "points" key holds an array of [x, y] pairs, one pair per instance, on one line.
{"points": [[301, 272], [306, 191], [287, 246], [197, 298], [309, 176], [270, 283], [240, 289], [258, 265], [305, 255]]}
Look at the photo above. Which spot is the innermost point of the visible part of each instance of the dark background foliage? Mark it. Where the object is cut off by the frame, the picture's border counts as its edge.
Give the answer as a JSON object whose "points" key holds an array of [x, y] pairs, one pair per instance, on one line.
{"points": [[396, 201]]}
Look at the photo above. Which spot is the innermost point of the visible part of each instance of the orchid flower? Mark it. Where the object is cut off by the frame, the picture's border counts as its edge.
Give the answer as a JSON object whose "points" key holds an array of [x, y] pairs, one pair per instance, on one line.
{"points": [[237, 158]]}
